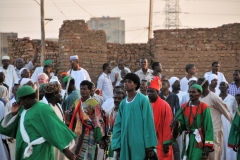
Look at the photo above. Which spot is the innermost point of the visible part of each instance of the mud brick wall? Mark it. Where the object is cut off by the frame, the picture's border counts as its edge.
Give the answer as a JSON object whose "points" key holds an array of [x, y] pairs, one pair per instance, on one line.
{"points": [[89, 45], [25, 48], [131, 53], [176, 48]]}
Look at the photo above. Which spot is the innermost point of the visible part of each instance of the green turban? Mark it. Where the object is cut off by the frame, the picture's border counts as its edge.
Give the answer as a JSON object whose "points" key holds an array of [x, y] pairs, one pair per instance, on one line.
{"points": [[65, 79], [197, 86], [48, 62], [25, 91]]}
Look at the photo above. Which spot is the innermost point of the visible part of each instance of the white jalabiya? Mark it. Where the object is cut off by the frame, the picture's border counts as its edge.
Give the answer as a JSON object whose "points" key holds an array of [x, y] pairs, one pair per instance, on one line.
{"points": [[79, 76], [3, 150], [220, 76], [228, 153], [10, 76], [184, 84], [29, 149]]}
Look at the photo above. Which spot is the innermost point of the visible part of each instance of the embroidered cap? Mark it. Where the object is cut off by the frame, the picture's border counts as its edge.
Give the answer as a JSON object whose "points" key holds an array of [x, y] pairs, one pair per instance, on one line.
{"points": [[75, 57], [5, 57]]}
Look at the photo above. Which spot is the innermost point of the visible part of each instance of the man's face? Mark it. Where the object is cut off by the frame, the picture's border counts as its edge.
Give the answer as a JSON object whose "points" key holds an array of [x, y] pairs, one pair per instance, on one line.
{"points": [[129, 85], [214, 83], [74, 63], [42, 79], [223, 86], [143, 86], [85, 92], [2, 77], [5, 63], [192, 70], [14, 89], [19, 63], [193, 94], [158, 68], [152, 94], [121, 65], [237, 97], [23, 102], [176, 85], [109, 69], [165, 86], [215, 67], [25, 73], [123, 73], [236, 76], [47, 69], [117, 99], [143, 63]]}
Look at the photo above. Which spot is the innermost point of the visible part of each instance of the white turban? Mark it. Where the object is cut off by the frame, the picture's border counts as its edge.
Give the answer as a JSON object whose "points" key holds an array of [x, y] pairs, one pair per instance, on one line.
{"points": [[21, 70], [75, 57], [192, 79], [171, 81], [24, 81], [212, 77], [5, 57], [54, 79]]}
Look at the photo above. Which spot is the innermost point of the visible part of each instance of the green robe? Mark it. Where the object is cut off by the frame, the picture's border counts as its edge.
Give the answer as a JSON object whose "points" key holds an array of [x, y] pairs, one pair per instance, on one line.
{"points": [[40, 121], [134, 130], [234, 135], [203, 123]]}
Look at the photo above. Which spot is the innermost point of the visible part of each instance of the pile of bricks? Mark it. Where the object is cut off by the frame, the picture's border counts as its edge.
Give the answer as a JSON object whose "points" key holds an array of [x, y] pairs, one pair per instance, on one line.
{"points": [[89, 45], [25, 48]]}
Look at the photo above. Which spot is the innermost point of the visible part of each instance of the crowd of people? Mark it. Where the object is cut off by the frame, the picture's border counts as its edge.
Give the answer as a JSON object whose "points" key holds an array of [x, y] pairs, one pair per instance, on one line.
{"points": [[128, 116]]}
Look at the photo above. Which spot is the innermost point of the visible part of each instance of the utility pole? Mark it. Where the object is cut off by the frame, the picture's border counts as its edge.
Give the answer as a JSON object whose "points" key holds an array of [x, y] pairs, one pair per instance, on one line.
{"points": [[42, 33], [150, 19]]}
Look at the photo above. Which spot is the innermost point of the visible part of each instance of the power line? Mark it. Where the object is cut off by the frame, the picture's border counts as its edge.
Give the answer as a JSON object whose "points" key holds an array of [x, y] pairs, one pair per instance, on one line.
{"points": [[137, 36], [59, 9]]}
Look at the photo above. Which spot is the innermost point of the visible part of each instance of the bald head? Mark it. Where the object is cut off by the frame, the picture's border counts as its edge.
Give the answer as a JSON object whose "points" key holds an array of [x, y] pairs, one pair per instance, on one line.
{"points": [[20, 63]]}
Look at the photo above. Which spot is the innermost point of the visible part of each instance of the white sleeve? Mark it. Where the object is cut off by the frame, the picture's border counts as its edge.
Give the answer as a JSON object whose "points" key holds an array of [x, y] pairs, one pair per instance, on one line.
{"points": [[100, 83], [234, 107], [223, 77], [112, 76], [15, 77], [87, 76], [29, 66]]}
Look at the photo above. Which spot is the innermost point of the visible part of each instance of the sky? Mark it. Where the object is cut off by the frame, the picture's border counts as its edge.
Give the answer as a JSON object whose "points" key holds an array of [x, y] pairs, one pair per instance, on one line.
{"points": [[23, 16]]}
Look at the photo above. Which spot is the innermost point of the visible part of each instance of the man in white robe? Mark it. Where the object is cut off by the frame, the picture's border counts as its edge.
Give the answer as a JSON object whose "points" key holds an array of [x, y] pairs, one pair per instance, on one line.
{"points": [[228, 153], [9, 71], [144, 72], [190, 69], [78, 73]]}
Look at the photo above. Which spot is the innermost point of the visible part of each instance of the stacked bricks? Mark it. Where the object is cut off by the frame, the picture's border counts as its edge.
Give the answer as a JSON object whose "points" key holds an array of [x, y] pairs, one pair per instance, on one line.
{"points": [[25, 48], [89, 45], [178, 47]]}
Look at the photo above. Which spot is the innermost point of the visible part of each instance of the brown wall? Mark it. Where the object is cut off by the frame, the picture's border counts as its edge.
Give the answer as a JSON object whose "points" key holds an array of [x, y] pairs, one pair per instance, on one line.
{"points": [[173, 48]]}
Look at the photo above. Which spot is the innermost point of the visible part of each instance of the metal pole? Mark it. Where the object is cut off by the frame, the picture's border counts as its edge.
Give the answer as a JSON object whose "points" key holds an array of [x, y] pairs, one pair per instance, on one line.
{"points": [[42, 33], [150, 19]]}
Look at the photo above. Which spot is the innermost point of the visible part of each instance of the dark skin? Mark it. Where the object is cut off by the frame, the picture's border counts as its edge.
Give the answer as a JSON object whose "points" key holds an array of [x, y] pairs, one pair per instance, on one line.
{"points": [[176, 87], [157, 70], [236, 78], [121, 64], [20, 62], [74, 64], [213, 85], [223, 87], [71, 88], [85, 92], [204, 87], [2, 77], [191, 72], [5, 63], [165, 88], [215, 68], [144, 65], [237, 97], [116, 89], [117, 100], [56, 98], [143, 87], [47, 69], [25, 73]]}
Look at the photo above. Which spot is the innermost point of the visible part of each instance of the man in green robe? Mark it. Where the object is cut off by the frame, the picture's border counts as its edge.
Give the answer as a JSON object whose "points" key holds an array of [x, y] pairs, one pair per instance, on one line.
{"points": [[36, 128], [195, 119], [234, 135], [134, 135]]}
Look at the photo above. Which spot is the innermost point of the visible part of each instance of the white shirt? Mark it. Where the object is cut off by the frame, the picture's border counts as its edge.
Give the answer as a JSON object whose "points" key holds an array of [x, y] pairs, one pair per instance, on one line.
{"points": [[184, 84], [29, 66], [105, 84], [116, 70], [37, 71], [98, 98], [185, 98], [79, 76], [10, 76], [142, 76], [180, 97], [220, 77]]}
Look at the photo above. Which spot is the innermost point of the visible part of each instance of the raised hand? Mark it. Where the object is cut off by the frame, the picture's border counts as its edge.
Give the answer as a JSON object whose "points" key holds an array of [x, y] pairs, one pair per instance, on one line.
{"points": [[15, 108]]}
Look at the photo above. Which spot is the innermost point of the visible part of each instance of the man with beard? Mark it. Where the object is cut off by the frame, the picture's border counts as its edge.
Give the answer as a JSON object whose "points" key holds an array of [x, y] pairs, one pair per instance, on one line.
{"points": [[173, 101], [213, 82], [104, 82], [9, 72], [144, 72], [52, 92], [20, 64], [143, 87], [118, 97], [90, 126], [47, 69], [234, 87], [118, 73], [78, 73], [195, 119], [228, 153], [134, 135], [157, 69], [217, 108], [162, 114], [190, 69]]}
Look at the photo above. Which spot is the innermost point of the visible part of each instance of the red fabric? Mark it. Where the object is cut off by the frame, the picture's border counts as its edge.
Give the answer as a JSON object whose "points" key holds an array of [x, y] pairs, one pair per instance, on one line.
{"points": [[155, 83], [64, 73], [162, 120]]}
